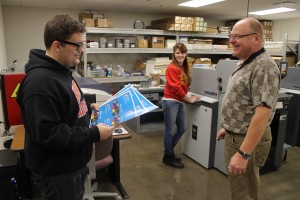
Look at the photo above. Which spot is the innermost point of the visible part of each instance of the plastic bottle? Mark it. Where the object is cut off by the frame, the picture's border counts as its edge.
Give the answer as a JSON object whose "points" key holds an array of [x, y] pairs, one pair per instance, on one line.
{"points": [[89, 74], [109, 72], [106, 71]]}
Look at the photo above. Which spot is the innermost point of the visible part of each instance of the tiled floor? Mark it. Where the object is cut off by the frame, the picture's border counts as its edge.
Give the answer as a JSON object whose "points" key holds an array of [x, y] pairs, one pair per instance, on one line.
{"points": [[145, 177]]}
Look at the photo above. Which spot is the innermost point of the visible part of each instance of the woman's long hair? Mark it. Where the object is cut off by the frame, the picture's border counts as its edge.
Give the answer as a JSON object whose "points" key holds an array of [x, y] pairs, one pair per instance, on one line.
{"points": [[186, 75]]}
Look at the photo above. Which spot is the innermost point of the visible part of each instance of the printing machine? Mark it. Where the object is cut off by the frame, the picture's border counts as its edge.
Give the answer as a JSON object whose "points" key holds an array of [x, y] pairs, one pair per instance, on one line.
{"points": [[202, 118], [278, 130], [283, 120], [291, 85], [202, 123]]}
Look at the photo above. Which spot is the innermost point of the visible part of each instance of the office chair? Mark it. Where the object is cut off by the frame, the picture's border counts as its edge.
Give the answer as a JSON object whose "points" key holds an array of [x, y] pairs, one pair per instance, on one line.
{"points": [[101, 158]]}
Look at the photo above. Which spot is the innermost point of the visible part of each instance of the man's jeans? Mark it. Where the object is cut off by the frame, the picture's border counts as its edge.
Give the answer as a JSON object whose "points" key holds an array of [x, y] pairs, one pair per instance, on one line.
{"points": [[173, 114], [62, 187]]}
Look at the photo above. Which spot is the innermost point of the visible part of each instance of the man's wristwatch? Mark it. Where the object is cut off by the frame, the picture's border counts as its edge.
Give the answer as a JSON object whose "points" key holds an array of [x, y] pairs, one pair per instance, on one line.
{"points": [[245, 155]]}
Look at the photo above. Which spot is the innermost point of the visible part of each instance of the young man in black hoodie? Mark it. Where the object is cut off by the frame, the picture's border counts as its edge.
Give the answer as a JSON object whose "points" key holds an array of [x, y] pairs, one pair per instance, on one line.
{"points": [[58, 142]]}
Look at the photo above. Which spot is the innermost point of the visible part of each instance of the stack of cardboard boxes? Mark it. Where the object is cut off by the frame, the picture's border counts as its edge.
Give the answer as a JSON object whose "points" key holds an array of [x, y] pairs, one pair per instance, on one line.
{"points": [[179, 23], [267, 28], [171, 23], [142, 42], [87, 19], [153, 41], [267, 25], [199, 24]]}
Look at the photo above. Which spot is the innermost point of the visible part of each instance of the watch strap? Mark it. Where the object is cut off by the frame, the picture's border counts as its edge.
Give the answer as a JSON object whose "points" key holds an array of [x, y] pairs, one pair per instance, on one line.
{"points": [[245, 155]]}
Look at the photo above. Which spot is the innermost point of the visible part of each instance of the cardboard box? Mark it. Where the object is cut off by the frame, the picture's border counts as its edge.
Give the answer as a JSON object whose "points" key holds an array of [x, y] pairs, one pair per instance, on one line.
{"points": [[190, 61], [85, 16], [203, 41], [197, 19], [220, 47], [141, 43], [184, 20], [211, 29], [190, 20], [196, 28], [183, 27], [200, 28], [176, 20], [88, 22], [177, 27], [104, 23], [206, 61], [189, 27], [157, 42], [170, 43], [164, 26], [291, 60], [155, 80], [183, 39]]}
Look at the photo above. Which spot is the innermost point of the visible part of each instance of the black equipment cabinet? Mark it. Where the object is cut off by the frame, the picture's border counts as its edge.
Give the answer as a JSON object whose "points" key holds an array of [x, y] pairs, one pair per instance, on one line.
{"points": [[10, 185], [293, 124], [278, 129]]}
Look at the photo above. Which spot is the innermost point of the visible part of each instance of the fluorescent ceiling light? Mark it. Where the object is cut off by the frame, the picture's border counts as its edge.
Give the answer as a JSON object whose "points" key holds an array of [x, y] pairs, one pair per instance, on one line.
{"points": [[199, 3], [272, 11]]}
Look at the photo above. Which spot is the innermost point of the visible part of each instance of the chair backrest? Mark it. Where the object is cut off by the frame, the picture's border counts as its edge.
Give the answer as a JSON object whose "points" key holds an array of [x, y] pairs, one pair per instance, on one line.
{"points": [[103, 150], [101, 158]]}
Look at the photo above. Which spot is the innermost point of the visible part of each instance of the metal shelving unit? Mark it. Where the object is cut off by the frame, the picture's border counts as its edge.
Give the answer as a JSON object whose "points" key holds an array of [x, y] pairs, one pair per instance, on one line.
{"points": [[134, 32], [153, 50], [279, 51], [127, 50], [121, 32], [154, 120], [121, 79]]}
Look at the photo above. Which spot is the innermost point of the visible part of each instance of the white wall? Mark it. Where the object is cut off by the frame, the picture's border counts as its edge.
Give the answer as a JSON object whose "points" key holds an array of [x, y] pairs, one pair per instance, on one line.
{"points": [[289, 26], [2, 41], [24, 29], [2, 61]]}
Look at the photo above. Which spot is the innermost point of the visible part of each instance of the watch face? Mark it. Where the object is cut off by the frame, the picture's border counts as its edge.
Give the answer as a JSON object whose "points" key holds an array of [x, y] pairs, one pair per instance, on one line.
{"points": [[246, 156], [138, 24]]}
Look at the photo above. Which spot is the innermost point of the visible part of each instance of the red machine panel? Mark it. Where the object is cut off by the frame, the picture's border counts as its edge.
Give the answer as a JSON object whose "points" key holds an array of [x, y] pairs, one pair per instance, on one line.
{"points": [[10, 84]]}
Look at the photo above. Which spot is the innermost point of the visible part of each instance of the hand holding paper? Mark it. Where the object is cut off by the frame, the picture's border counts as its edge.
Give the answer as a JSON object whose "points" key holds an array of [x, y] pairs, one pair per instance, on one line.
{"points": [[105, 131]]}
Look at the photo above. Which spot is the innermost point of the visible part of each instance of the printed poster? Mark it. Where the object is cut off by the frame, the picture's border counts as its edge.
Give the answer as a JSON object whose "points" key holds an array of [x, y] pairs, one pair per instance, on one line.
{"points": [[128, 103]]}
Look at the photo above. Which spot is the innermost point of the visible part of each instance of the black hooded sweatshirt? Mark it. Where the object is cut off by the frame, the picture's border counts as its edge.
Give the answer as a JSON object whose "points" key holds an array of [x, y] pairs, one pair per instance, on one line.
{"points": [[55, 116]]}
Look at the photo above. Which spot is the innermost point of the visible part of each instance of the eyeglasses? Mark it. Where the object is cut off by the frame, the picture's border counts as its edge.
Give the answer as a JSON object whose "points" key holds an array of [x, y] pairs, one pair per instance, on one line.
{"points": [[232, 37], [77, 45]]}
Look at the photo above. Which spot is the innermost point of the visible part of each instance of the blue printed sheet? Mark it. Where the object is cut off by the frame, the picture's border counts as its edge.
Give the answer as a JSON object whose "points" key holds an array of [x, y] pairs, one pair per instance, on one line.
{"points": [[128, 103]]}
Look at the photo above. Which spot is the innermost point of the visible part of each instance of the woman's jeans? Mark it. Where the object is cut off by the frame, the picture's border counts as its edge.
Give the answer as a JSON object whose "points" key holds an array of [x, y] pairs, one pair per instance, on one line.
{"points": [[173, 114]]}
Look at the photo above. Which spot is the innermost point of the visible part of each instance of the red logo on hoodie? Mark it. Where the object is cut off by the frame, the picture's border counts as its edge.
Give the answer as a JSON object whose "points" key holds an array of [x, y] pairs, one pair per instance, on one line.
{"points": [[82, 105]]}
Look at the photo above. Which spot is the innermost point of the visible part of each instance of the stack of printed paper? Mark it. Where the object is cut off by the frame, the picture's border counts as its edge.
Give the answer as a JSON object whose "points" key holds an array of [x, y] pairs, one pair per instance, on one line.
{"points": [[128, 103]]}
